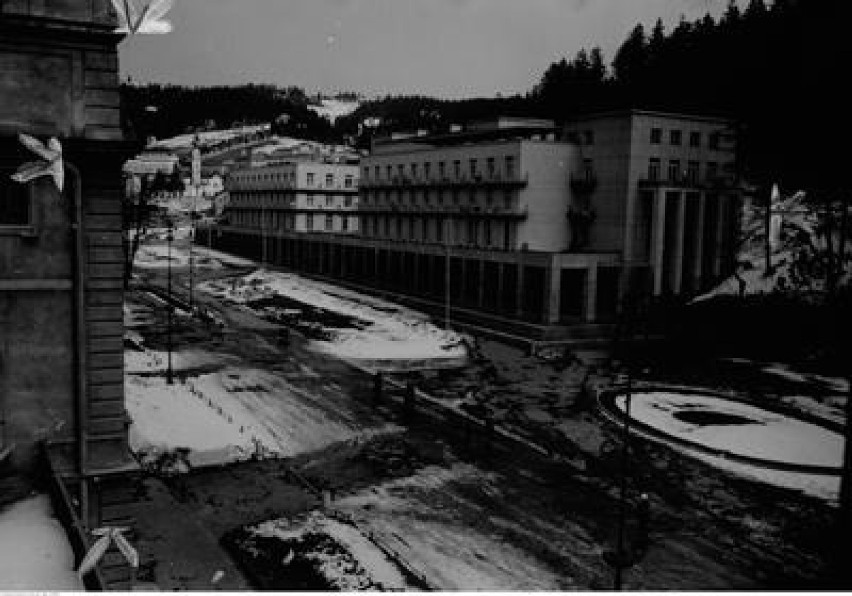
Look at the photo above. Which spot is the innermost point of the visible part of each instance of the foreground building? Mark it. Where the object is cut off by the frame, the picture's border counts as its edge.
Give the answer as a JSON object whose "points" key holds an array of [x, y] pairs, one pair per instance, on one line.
{"points": [[519, 223], [61, 330]]}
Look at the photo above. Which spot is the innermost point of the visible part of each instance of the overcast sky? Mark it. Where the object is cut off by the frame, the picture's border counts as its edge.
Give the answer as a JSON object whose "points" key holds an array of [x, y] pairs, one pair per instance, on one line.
{"points": [[446, 48]]}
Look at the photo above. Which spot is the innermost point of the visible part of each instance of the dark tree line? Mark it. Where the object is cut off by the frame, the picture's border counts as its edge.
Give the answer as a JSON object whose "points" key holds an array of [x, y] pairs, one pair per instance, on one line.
{"points": [[164, 111]]}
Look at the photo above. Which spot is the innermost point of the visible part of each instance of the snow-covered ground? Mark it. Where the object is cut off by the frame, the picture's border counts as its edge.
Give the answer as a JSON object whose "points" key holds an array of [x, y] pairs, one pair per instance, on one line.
{"points": [[361, 565], [156, 256], [34, 551], [437, 543], [228, 415], [744, 430], [387, 333]]}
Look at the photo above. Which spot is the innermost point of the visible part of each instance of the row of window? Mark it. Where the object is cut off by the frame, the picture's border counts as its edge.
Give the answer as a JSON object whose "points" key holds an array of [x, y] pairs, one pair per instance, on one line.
{"points": [[459, 232], [287, 221], [473, 166], [289, 200], [438, 198], [481, 234], [691, 175], [676, 138], [290, 178]]}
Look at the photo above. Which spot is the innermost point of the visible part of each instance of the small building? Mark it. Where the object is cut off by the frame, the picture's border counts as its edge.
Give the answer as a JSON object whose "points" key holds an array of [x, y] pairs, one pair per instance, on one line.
{"points": [[61, 261]]}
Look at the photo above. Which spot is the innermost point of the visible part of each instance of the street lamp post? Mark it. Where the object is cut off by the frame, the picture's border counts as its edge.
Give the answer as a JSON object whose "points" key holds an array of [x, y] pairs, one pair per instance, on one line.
{"points": [[169, 370], [447, 274], [620, 554]]}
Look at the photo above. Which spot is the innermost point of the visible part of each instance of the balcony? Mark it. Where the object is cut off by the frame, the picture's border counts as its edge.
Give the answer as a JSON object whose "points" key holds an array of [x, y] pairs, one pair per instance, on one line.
{"points": [[460, 181]]}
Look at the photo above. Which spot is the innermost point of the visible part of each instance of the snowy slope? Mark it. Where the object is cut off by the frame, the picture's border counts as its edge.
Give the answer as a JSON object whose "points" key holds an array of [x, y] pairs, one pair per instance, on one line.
{"points": [[334, 108], [795, 230]]}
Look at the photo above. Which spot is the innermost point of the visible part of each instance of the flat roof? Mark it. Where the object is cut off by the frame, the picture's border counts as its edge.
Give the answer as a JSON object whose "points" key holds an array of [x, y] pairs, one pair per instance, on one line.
{"points": [[620, 113]]}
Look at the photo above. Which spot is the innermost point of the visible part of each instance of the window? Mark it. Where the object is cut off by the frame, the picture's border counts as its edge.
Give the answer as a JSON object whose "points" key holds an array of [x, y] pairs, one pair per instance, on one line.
{"points": [[441, 170], [310, 222], [310, 178], [656, 136], [414, 171], [674, 137], [329, 201], [399, 228], [489, 197], [713, 141], [674, 170], [14, 202], [400, 170], [310, 200], [472, 232], [410, 228], [377, 172], [457, 168], [387, 227], [692, 172], [589, 137], [654, 169], [347, 182], [389, 172], [508, 199], [427, 167], [366, 175], [473, 167], [347, 201], [487, 229], [492, 169], [510, 166], [712, 170], [345, 224], [695, 139], [329, 180], [329, 223]]}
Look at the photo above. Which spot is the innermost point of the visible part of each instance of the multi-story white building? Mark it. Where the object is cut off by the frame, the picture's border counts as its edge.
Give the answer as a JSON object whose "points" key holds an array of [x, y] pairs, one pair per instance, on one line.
{"points": [[298, 196]]}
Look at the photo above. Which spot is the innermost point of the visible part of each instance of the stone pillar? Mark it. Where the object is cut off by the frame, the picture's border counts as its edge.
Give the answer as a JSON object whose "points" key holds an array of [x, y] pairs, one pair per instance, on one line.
{"points": [[480, 296], [501, 287], [699, 242], [718, 253], [677, 266], [552, 291], [658, 240], [519, 288], [591, 313]]}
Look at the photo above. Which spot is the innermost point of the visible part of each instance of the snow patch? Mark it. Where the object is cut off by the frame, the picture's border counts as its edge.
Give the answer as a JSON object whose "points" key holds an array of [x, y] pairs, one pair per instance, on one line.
{"points": [[34, 551]]}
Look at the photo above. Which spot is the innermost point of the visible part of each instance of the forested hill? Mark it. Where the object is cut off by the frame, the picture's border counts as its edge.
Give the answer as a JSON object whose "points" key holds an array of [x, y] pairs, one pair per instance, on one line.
{"points": [[777, 68]]}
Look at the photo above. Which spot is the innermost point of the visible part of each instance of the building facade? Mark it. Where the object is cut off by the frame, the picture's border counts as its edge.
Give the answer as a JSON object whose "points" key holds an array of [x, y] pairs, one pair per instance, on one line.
{"points": [[661, 190], [515, 219], [61, 262], [299, 196]]}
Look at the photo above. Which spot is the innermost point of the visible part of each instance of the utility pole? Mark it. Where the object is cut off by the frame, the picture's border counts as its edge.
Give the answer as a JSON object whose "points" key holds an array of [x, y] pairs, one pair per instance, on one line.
{"points": [[620, 554], [169, 370], [196, 185], [447, 273]]}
